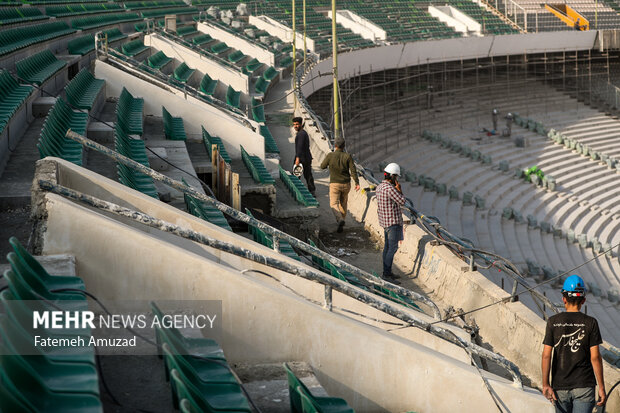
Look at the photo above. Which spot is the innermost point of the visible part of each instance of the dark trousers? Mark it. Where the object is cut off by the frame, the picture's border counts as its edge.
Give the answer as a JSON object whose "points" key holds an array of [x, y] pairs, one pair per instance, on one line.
{"points": [[308, 175], [392, 235]]}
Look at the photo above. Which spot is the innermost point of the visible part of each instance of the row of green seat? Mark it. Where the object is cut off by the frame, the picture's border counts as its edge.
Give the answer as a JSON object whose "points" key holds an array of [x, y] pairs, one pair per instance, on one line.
{"points": [[83, 89], [265, 239], [303, 401], [252, 66], [114, 35], [173, 127], [261, 85], [85, 23], [208, 85], [20, 15], [135, 5], [39, 67], [78, 9], [198, 372], [81, 45], [186, 30], [202, 39], [20, 37], [53, 142], [236, 56], [219, 48], [174, 10], [32, 380], [297, 189], [12, 96], [256, 167], [206, 212], [270, 143], [129, 113], [136, 150], [208, 141]]}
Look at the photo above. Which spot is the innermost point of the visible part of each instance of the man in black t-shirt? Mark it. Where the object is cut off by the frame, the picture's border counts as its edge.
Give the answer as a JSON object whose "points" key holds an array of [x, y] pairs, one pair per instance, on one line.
{"points": [[576, 365]]}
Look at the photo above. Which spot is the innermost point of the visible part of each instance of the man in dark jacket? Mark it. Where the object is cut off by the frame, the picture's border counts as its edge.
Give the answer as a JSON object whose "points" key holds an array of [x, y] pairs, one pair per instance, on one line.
{"points": [[341, 170], [302, 152]]}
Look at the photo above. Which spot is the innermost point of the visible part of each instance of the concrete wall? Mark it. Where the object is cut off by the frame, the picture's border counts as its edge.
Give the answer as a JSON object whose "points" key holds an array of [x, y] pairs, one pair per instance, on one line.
{"points": [[227, 75], [359, 25], [372, 369], [455, 19], [409, 54], [262, 54], [193, 111], [281, 31]]}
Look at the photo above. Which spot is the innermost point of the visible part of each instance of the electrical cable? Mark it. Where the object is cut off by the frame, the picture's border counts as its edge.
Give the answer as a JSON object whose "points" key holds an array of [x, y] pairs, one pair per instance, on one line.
{"points": [[609, 394]]}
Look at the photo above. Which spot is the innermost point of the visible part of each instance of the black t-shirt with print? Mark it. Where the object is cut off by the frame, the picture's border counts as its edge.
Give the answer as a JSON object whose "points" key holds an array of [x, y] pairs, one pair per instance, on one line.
{"points": [[571, 334]]}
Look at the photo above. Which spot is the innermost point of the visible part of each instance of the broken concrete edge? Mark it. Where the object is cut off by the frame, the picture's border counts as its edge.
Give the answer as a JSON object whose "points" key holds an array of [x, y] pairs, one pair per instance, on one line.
{"points": [[44, 169], [511, 329]]}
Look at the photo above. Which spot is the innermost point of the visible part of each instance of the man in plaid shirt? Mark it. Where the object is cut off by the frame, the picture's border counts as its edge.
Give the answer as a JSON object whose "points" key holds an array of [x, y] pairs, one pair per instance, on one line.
{"points": [[389, 200]]}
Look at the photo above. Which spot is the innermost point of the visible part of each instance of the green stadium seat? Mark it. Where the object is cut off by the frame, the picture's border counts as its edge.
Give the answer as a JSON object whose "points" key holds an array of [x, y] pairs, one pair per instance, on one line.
{"points": [[261, 85], [20, 15], [183, 73], [12, 96], [174, 10], [236, 56], [202, 39], [233, 98], [92, 22], [133, 48], [219, 48], [297, 189], [53, 142], [253, 65], [188, 391], [208, 85], [270, 143], [209, 140], [258, 111], [270, 74], [39, 67], [158, 60], [186, 30], [173, 127], [114, 35], [83, 90]]}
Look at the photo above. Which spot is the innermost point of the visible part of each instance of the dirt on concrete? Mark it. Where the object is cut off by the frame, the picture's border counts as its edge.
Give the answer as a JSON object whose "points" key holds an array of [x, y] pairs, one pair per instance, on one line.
{"points": [[14, 223]]}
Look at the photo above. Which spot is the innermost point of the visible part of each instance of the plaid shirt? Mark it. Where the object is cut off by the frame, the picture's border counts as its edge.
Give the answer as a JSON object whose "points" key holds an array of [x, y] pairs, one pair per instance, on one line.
{"points": [[389, 201]]}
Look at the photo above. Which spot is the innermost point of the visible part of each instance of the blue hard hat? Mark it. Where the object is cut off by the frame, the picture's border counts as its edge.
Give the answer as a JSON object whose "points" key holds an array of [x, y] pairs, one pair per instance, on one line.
{"points": [[574, 286]]}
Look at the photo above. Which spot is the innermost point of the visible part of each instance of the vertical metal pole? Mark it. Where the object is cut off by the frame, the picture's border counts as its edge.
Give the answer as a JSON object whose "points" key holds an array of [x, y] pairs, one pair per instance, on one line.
{"points": [[335, 72], [514, 297], [305, 47]]}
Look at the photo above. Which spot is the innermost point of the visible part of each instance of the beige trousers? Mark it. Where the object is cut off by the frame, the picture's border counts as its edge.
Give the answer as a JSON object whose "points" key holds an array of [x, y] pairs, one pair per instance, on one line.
{"points": [[338, 197]]}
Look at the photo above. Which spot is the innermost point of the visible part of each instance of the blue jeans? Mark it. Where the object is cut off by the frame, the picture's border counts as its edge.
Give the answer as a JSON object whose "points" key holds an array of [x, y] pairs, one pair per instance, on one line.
{"points": [[392, 235], [579, 400]]}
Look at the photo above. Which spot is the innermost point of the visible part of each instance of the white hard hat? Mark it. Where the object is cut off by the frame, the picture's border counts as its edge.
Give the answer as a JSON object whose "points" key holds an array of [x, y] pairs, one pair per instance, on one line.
{"points": [[393, 169], [298, 170]]}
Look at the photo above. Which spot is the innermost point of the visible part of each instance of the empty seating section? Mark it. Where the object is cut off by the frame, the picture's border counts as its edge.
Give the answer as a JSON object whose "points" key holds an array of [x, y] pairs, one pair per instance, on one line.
{"points": [[20, 37], [81, 45], [134, 149], [258, 111], [12, 96], [133, 48], [20, 15], [204, 211], [265, 239], [208, 85], [209, 140], [175, 10], [114, 35], [297, 189], [183, 73], [42, 380], [39, 67], [77, 9], [173, 127], [298, 390], [53, 142], [83, 90], [270, 143], [92, 22], [233, 98], [158, 60], [186, 30], [129, 113], [135, 5], [256, 167], [198, 371]]}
